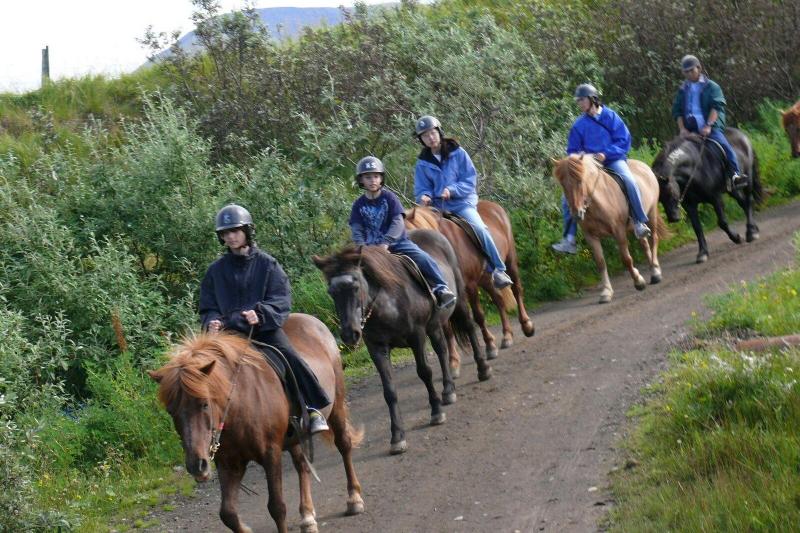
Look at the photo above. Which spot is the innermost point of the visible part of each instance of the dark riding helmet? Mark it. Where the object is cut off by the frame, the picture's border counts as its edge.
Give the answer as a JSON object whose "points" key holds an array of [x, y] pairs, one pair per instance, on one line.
{"points": [[586, 90], [425, 123], [689, 61], [369, 164], [234, 216]]}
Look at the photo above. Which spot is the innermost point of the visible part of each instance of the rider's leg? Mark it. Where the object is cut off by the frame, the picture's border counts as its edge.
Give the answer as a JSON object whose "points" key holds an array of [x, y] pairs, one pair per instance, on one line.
{"points": [[429, 269], [718, 136], [470, 214], [567, 244], [634, 194]]}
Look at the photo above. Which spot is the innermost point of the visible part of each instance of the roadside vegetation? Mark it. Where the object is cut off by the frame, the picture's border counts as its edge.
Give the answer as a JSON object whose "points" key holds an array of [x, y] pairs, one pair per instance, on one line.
{"points": [[108, 190], [716, 445]]}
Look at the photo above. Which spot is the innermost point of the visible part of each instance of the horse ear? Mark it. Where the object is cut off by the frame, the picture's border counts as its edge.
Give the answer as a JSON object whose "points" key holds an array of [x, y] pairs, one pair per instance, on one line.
{"points": [[208, 368], [319, 262], [410, 213], [154, 375]]}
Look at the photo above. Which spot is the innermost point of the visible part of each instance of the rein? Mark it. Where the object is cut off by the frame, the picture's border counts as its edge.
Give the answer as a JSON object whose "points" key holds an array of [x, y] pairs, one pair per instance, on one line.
{"points": [[588, 200], [216, 434]]}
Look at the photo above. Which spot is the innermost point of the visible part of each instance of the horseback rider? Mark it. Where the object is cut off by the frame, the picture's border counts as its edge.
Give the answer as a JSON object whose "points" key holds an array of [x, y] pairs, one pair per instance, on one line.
{"points": [[699, 107], [247, 291], [445, 177], [600, 132], [376, 218]]}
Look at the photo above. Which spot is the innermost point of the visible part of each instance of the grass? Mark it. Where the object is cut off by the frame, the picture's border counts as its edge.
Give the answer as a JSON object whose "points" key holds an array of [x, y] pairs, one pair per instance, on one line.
{"points": [[716, 447]]}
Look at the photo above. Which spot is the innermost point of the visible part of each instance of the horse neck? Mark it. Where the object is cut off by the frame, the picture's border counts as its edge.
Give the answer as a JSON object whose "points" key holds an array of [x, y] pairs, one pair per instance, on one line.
{"points": [[601, 196]]}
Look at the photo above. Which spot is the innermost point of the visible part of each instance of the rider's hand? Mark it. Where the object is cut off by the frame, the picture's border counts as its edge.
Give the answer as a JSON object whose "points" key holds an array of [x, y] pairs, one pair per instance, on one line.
{"points": [[446, 194], [425, 199], [385, 246], [706, 131], [600, 156], [214, 326], [684, 132], [250, 316]]}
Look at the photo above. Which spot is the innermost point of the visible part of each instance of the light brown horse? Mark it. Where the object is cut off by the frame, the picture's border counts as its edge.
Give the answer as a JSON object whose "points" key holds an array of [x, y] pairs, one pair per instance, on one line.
{"points": [[601, 209], [791, 123], [218, 384], [472, 264]]}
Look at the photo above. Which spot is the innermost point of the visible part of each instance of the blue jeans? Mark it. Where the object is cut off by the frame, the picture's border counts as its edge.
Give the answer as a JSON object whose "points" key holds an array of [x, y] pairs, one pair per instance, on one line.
{"points": [[620, 167], [718, 136], [425, 262], [471, 215]]}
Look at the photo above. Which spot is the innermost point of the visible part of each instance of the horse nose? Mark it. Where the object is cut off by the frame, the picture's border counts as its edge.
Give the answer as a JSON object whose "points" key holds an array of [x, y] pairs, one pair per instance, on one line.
{"points": [[351, 337], [203, 470]]}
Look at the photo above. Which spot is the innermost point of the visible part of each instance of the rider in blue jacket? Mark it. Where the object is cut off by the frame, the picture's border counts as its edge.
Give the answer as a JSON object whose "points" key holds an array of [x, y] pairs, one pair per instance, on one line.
{"points": [[699, 107], [445, 178], [600, 132], [376, 219]]}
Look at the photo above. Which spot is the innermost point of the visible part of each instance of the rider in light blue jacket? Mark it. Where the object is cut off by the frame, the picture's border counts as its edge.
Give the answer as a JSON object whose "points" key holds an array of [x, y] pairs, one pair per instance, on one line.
{"points": [[445, 178], [600, 132]]}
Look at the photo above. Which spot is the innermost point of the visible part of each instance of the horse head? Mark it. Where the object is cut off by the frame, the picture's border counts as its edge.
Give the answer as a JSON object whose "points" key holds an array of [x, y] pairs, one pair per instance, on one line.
{"points": [[192, 388], [572, 173], [674, 167], [791, 124], [349, 290]]}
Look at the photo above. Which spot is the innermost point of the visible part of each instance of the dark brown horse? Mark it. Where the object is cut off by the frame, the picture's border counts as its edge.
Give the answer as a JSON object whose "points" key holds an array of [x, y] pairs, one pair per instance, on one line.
{"points": [[791, 123], [472, 263], [218, 381], [376, 297], [601, 208]]}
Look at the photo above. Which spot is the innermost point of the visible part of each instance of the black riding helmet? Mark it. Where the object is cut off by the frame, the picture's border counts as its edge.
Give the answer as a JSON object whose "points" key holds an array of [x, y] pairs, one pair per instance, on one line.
{"points": [[234, 216], [587, 90], [426, 123], [369, 164]]}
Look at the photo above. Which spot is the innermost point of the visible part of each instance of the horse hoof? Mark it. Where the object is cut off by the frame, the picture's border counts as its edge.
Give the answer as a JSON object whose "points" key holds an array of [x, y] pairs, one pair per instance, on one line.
{"points": [[449, 398], [752, 237], [737, 238], [605, 298], [508, 342], [438, 420], [528, 329], [640, 284], [491, 353], [485, 374], [455, 372], [398, 447], [308, 525], [355, 507], [701, 258], [655, 279]]}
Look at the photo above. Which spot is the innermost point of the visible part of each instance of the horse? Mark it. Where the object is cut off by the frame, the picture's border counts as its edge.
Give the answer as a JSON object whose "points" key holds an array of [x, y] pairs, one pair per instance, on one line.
{"points": [[791, 123], [691, 172], [377, 299], [601, 208], [220, 381], [472, 263]]}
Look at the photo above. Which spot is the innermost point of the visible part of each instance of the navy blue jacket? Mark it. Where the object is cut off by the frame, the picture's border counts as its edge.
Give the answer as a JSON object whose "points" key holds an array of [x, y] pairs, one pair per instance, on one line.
{"points": [[235, 283]]}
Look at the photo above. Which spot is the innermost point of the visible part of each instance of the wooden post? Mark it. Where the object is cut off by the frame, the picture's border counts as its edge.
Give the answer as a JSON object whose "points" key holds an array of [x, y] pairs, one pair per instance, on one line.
{"points": [[45, 65]]}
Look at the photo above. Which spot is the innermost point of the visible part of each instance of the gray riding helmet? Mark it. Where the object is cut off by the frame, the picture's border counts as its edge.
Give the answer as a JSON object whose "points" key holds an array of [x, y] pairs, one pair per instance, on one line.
{"points": [[586, 90], [425, 123], [234, 216], [367, 164], [689, 61]]}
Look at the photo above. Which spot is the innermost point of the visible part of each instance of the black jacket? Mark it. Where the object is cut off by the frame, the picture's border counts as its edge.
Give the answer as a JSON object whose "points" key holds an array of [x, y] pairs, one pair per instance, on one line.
{"points": [[235, 283]]}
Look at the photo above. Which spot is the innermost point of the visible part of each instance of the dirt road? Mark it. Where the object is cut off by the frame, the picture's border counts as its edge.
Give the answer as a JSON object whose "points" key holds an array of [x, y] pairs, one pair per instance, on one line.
{"points": [[531, 449]]}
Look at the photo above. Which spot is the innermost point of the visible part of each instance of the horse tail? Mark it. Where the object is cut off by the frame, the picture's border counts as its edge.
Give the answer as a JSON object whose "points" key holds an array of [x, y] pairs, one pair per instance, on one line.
{"points": [[509, 302], [662, 229], [758, 190], [356, 435]]}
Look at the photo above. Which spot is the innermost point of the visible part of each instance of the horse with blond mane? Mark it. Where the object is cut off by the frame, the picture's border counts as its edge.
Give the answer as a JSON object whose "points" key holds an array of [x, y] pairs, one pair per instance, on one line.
{"points": [[472, 263], [791, 123], [601, 208], [228, 405]]}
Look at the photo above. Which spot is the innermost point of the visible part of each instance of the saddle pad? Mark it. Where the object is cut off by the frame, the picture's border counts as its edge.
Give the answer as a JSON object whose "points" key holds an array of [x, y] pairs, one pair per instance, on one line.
{"points": [[719, 152], [416, 273], [462, 223], [278, 364]]}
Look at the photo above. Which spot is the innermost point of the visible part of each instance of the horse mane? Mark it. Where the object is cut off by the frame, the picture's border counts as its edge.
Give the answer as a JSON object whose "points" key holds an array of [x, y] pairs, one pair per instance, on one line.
{"points": [[573, 166], [184, 371], [378, 265]]}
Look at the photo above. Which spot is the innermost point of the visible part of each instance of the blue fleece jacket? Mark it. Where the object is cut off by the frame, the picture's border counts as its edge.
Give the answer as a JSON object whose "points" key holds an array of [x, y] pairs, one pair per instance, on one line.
{"points": [[605, 133], [456, 173]]}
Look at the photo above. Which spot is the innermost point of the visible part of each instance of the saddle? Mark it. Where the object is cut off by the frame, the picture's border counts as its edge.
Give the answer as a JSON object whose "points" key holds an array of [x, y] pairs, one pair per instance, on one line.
{"points": [[468, 229], [416, 273], [618, 178], [280, 365]]}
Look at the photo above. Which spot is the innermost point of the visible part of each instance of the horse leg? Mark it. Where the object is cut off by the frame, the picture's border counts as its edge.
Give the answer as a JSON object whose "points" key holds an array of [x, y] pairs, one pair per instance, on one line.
{"points": [[344, 443], [426, 374], [230, 479], [597, 252], [480, 319], [498, 301], [722, 220], [652, 249], [745, 201], [452, 349], [694, 217], [275, 503], [622, 243], [522, 314], [382, 362], [462, 317], [308, 522]]}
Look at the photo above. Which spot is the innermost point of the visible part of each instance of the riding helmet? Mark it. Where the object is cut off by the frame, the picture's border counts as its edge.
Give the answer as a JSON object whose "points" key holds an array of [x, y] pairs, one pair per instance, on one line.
{"points": [[586, 90], [367, 164], [689, 61], [425, 123], [234, 216]]}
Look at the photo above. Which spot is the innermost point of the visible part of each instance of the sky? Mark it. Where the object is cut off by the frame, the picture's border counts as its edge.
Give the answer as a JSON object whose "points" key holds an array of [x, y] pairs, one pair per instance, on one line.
{"points": [[94, 36]]}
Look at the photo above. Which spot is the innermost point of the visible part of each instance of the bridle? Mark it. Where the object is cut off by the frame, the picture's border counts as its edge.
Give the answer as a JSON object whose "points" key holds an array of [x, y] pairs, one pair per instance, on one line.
{"points": [[216, 434]]}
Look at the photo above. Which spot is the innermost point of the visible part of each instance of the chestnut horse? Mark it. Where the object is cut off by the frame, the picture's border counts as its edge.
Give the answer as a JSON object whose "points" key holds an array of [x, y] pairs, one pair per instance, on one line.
{"points": [[472, 263], [791, 123], [601, 208], [217, 381]]}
